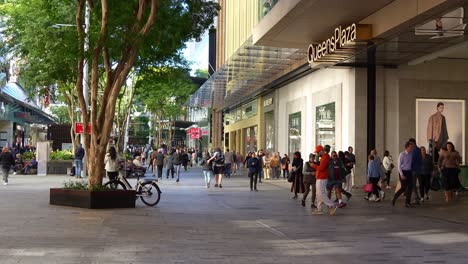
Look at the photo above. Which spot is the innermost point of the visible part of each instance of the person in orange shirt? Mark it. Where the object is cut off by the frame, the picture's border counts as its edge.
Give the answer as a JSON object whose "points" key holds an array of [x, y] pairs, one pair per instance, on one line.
{"points": [[322, 179]]}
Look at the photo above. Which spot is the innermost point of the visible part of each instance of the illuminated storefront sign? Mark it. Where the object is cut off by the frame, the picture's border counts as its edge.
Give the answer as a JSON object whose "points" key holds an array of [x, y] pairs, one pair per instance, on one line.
{"points": [[341, 38]]}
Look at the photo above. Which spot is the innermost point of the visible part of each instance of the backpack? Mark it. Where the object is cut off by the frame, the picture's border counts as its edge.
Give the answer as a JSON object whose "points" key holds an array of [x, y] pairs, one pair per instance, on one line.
{"points": [[219, 162]]}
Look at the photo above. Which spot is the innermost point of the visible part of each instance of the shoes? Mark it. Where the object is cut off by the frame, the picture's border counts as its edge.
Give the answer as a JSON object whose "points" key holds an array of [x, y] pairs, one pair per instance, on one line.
{"points": [[177, 180], [427, 197], [313, 206], [208, 186], [372, 198], [303, 202], [294, 197], [317, 212], [333, 210], [216, 185], [341, 205], [220, 186], [377, 199], [407, 205], [336, 200], [348, 197], [14, 173], [382, 194], [366, 198], [5, 183], [393, 202], [422, 199]]}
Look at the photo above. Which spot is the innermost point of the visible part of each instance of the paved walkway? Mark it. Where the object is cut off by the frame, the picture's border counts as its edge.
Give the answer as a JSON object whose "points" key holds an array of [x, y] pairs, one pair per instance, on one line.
{"points": [[193, 224]]}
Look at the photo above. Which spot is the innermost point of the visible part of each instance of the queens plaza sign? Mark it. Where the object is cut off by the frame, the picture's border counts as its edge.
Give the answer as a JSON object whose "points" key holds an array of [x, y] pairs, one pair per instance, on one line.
{"points": [[341, 38]]}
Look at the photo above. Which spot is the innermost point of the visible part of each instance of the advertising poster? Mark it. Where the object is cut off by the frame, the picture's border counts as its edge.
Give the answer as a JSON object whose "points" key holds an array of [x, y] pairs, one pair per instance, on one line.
{"points": [[325, 125]]}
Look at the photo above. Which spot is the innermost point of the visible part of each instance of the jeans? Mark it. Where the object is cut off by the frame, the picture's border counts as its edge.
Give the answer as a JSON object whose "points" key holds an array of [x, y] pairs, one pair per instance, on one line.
{"points": [[160, 168], [253, 180], [177, 170], [414, 187], [239, 167], [274, 173], [78, 165], [307, 188], [322, 197], [424, 184], [5, 174], [387, 175], [208, 174], [285, 173], [347, 186], [406, 186], [227, 169], [375, 187], [171, 169]]}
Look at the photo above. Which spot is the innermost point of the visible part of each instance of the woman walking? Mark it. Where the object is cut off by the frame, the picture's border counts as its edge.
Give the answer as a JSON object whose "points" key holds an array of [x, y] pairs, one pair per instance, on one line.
{"points": [[111, 163], [388, 167], [218, 170], [449, 165], [297, 183], [424, 178], [207, 168], [309, 181], [6, 161], [275, 166], [374, 172], [285, 166]]}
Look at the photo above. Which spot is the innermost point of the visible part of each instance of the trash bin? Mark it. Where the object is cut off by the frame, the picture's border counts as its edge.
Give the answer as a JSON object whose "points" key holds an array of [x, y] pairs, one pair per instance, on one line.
{"points": [[464, 175]]}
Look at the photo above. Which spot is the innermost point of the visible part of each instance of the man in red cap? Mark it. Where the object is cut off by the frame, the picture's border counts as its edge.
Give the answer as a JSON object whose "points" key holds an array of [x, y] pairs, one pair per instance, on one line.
{"points": [[322, 178]]}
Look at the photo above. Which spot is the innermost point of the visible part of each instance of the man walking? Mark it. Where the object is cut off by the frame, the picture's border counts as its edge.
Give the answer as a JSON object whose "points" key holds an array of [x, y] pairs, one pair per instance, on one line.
{"points": [[416, 163], [322, 173], [253, 164], [406, 174], [176, 162], [159, 160], [79, 155], [228, 160]]}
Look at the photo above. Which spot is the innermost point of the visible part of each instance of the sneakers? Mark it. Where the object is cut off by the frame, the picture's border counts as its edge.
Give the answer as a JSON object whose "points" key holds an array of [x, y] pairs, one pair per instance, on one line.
{"points": [[382, 194], [333, 210], [366, 198], [377, 200], [317, 212], [14, 173], [372, 198], [5, 183], [341, 205], [216, 185]]}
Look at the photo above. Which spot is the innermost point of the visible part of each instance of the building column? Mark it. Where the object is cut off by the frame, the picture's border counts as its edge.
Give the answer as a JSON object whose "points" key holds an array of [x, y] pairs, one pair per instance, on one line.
{"points": [[371, 97]]}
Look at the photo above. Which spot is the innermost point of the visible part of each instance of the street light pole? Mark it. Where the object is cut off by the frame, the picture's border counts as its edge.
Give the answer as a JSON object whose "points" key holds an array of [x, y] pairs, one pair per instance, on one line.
{"points": [[85, 83]]}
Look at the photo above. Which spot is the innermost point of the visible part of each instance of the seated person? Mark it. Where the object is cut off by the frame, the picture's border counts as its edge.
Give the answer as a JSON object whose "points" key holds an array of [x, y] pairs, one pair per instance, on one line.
{"points": [[137, 163], [18, 163], [32, 165]]}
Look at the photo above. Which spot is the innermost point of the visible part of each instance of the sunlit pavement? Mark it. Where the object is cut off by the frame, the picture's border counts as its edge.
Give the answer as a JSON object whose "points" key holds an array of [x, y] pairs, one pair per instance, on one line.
{"points": [[193, 224]]}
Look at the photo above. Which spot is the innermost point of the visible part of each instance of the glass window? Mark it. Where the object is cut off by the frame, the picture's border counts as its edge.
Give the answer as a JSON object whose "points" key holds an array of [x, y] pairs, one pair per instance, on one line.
{"points": [[270, 132], [325, 125], [294, 133], [249, 109], [251, 138]]}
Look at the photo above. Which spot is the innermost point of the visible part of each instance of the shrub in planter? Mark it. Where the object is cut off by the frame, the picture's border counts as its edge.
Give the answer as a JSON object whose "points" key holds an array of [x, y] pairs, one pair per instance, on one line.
{"points": [[61, 155], [27, 156]]}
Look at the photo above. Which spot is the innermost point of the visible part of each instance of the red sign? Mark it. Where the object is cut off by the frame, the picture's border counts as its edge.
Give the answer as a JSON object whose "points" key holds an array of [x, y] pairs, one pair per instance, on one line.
{"points": [[204, 132], [194, 133], [79, 128]]}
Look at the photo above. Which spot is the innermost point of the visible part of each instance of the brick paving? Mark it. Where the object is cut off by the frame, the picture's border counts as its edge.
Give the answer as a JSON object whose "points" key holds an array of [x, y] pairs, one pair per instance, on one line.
{"points": [[193, 224]]}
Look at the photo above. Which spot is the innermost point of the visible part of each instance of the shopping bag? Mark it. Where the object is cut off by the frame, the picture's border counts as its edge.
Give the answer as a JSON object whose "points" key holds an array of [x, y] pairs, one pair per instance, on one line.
{"points": [[368, 188]]}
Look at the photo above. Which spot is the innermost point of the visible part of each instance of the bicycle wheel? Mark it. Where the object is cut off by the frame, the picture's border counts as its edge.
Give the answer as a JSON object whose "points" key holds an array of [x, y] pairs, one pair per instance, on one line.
{"points": [[115, 185], [149, 193]]}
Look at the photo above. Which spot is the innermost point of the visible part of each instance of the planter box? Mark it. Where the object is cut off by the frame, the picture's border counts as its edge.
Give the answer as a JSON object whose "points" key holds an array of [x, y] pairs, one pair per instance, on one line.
{"points": [[93, 199], [59, 166]]}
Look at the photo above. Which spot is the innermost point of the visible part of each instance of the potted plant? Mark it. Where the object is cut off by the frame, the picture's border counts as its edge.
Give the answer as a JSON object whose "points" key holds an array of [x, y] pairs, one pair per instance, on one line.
{"points": [[79, 194], [60, 161]]}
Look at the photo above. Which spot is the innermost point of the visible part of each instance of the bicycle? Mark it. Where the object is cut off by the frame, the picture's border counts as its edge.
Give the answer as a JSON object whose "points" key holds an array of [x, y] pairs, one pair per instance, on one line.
{"points": [[147, 190]]}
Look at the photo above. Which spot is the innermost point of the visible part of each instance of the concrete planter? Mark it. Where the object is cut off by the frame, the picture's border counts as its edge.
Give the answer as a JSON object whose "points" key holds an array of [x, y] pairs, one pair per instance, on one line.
{"points": [[59, 166], [93, 199]]}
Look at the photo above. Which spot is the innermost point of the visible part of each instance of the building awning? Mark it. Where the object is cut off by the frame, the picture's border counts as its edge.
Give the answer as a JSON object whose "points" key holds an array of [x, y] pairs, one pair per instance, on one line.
{"points": [[18, 108], [248, 70]]}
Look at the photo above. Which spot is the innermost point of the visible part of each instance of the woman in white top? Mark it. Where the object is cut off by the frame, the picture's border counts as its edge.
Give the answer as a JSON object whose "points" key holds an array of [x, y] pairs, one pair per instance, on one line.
{"points": [[388, 166], [111, 163]]}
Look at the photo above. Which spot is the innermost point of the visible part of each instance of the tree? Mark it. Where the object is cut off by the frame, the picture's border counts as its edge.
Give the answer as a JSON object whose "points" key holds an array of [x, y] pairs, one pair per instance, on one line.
{"points": [[122, 36], [202, 73], [164, 91]]}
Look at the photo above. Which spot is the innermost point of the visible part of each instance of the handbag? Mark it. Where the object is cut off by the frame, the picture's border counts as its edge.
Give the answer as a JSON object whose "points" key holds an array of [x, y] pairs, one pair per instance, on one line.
{"points": [[368, 188], [291, 177]]}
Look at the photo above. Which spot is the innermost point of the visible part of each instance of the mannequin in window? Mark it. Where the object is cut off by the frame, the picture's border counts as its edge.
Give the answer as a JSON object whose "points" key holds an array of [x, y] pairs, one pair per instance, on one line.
{"points": [[437, 134]]}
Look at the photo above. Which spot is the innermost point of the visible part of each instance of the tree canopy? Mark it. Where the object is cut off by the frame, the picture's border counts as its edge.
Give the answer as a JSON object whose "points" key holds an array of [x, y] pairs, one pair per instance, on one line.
{"points": [[123, 36]]}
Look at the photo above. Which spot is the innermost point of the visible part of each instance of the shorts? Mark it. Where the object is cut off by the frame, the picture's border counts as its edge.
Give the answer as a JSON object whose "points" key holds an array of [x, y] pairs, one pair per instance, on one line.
{"points": [[334, 184]]}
